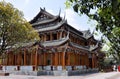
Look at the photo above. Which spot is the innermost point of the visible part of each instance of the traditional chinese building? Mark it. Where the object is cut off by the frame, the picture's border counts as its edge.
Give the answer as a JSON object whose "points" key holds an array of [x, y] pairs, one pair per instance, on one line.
{"points": [[62, 47]]}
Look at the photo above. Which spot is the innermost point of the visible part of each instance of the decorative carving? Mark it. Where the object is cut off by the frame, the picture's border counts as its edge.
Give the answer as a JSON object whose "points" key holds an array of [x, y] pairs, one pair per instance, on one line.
{"points": [[60, 49]]}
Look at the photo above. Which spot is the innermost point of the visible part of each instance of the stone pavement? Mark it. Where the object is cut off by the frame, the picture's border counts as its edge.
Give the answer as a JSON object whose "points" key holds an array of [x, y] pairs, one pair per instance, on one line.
{"points": [[110, 75]]}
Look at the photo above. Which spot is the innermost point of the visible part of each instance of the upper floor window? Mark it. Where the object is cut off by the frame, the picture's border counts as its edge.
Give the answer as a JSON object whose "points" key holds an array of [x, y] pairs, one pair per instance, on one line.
{"points": [[48, 37], [54, 36]]}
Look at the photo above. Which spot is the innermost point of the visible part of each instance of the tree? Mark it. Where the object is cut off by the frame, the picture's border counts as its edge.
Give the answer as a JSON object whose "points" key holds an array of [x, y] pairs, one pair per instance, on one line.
{"points": [[107, 15], [14, 29]]}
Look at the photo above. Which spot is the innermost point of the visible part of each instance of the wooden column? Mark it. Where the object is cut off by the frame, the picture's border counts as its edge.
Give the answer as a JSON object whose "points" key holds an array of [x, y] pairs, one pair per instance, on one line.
{"points": [[68, 63], [51, 38], [6, 60], [63, 60], [15, 60], [44, 37], [44, 59], [18, 60], [12, 58], [25, 57], [87, 61], [79, 58], [95, 62], [70, 58], [31, 58], [57, 35], [51, 58], [92, 60], [36, 58], [72, 63], [64, 34], [82, 60], [59, 58], [56, 59], [74, 59], [60, 34], [9, 61]]}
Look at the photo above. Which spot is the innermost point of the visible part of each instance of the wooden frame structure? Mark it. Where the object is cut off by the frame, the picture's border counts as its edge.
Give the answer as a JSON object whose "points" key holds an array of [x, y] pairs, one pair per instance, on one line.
{"points": [[61, 47]]}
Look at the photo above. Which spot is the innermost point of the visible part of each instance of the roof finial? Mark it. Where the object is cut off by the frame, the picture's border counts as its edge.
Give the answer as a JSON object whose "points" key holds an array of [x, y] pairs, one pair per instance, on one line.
{"points": [[59, 11], [93, 31], [40, 8], [64, 15], [44, 8]]}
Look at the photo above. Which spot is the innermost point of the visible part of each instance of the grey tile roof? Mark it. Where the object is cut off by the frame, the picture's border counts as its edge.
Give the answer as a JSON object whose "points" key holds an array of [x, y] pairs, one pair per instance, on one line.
{"points": [[53, 27], [44, 21], [56, 42], [87, 48], [87, 34], [79, 46]]}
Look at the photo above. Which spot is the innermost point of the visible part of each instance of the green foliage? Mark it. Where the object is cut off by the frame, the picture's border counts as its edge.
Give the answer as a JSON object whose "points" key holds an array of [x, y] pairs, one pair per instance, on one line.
{"points": [[107, 15], [14, 29], [68, 4]]}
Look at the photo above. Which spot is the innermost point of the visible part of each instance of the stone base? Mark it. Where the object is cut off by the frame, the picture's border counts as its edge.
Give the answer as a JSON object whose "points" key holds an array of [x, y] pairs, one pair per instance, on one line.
{"points": [[4, 74], [54, 73]]}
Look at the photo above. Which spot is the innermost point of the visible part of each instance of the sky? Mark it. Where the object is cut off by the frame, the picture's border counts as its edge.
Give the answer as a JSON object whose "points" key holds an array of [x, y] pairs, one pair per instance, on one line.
{"points": [[30, 9]]}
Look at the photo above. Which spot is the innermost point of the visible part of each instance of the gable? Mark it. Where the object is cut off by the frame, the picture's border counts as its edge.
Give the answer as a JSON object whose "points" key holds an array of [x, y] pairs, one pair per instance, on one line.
{"points": [[92, 40], [42, 16]]}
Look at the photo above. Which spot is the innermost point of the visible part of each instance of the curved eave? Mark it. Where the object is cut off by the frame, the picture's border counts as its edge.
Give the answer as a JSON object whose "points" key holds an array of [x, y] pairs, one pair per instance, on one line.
{"points": [[52, 27], [22, 45], [90, 49], [95, 48], [55, 42], [46, 21], [79, 46], [88, 37], [79, 33]]}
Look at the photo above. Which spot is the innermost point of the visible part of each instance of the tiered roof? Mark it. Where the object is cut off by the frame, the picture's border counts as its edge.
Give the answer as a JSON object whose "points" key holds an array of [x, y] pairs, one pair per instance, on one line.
{"points": [[37, 22]]}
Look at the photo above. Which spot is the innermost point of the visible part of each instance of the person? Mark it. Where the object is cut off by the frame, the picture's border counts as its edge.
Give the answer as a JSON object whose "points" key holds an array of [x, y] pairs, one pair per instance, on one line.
{"points": [[119, 68], [114, 68], [0, 67]]}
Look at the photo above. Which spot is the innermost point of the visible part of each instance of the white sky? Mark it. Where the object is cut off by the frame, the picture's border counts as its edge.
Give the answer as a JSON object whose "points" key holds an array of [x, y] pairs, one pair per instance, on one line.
{"points": [[31, 7]]}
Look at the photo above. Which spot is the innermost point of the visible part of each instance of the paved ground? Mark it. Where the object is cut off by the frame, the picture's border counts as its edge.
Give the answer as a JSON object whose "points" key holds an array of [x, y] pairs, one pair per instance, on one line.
{"points": [[110, 75]]}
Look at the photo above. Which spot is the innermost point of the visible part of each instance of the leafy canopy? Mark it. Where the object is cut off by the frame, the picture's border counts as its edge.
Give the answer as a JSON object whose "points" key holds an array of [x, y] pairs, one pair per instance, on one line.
{"points": [[14, 29], [107, 15]]}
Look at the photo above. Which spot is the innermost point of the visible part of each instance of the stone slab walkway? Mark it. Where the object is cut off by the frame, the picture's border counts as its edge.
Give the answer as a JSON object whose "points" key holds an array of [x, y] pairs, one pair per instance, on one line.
{"points": [[110, 75]]}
